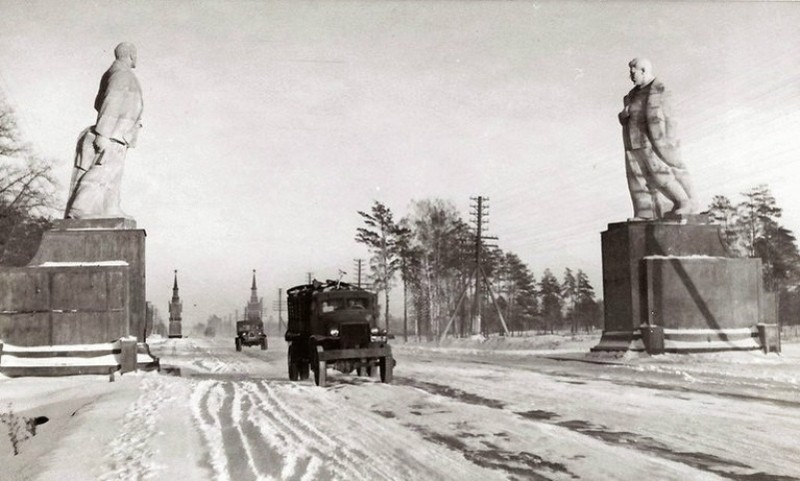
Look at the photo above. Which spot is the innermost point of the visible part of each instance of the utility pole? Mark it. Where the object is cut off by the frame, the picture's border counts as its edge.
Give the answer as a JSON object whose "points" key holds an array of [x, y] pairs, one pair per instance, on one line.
{"points": [[359, 263], [278, 306], [309, 275], [480, 214]]}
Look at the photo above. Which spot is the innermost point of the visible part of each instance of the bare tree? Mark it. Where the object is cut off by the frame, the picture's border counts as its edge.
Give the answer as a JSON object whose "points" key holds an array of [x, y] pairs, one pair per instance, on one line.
{"points": [[26, 193]]}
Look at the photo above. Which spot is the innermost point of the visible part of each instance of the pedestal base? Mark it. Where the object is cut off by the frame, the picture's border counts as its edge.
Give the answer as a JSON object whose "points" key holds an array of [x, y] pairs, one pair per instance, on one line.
{"points": [[85, 285], [672, 287]]}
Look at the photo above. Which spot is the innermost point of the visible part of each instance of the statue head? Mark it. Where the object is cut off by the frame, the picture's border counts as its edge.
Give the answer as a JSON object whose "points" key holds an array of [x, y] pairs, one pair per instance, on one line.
{"points": [[126, 53], [641, 71]]}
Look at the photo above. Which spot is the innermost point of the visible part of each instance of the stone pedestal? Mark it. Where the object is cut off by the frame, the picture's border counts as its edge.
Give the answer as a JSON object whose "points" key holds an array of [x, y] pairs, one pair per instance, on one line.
{"points": [[678, 277], [85, 285]]}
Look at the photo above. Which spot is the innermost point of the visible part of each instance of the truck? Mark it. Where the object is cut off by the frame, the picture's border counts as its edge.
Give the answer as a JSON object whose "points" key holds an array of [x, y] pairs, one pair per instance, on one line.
{"points": [[334, 323], [250, 333]]}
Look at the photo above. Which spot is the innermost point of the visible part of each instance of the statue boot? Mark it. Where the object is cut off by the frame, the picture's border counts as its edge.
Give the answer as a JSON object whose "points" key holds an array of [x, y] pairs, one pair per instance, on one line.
{"points": [[661, 205], [685, 181], [681, 203]]}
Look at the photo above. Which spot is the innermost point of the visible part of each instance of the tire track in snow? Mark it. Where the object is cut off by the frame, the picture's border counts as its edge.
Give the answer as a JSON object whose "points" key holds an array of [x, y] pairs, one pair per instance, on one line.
{"points": [[246, 440], [205, 406], [264, 458], [395, 451], [327, 458], [286, 449], [237, 451]]}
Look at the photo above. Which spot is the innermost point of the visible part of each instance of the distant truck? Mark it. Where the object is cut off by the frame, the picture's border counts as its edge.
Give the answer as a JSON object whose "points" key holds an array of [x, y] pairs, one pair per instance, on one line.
{"points": [[250, 333], [335, 323]]}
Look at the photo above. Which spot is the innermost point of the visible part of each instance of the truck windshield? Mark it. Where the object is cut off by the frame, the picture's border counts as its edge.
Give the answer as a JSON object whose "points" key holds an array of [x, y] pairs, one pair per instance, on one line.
{"points": [[357, 303], [330, 305]]}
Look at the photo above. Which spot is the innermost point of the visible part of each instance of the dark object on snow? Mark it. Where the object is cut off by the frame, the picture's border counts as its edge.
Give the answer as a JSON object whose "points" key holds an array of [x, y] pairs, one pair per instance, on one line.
{"points": [[335, 323], [250, 333]]}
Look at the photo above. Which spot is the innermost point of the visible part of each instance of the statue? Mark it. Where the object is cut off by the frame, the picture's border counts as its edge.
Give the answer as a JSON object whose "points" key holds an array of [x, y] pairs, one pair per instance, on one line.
{"points": [[653, 162], [101, 149]]}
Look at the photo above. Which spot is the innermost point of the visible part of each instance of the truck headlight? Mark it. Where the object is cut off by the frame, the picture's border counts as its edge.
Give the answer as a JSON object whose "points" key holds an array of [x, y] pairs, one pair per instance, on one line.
{"points": [[334, 332]]}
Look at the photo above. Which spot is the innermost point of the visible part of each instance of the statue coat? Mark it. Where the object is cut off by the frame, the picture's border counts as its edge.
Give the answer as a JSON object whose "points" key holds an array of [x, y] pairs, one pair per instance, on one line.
{"points": [[651, 123], [119, 105]]}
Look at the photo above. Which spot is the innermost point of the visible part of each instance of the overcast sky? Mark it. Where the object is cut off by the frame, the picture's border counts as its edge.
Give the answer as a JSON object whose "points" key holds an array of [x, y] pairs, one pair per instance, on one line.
{"points": [[267, 125]]}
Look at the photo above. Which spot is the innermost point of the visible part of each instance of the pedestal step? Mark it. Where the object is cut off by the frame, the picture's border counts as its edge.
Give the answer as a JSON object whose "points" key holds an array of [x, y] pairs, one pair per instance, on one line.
{"points": [[122, 355]]}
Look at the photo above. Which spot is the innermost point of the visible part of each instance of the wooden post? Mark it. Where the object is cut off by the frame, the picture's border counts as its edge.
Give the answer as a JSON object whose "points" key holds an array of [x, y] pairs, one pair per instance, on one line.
{"points": [[127, 355]]}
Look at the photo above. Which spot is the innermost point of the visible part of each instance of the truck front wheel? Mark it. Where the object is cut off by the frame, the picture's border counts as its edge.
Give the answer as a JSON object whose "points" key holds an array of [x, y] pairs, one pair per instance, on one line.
{"points": [[386, 367]]}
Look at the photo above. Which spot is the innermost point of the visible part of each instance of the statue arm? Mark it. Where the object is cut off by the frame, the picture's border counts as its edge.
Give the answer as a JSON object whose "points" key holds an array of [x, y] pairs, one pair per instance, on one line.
{"points": [[625, 114], [119, 107]]}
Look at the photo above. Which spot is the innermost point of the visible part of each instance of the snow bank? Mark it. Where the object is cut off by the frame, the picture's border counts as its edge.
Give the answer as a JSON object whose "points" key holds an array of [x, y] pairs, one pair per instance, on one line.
{"points": [[83, 264]]}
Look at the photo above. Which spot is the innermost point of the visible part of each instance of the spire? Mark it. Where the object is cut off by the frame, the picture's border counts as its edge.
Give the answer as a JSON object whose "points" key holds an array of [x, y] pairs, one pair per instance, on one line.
{"points": [[253, 309], [254, 289], [175, 295], [175, 308]]}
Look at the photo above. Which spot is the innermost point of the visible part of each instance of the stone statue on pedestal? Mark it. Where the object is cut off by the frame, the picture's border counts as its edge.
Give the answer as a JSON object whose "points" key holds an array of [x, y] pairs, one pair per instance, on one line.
{"points": [[100, 152], [653, 161]]}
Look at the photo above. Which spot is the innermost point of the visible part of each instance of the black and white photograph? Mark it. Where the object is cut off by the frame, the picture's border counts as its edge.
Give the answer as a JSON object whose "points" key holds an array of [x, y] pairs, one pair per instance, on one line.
{"points": [[364, 240]]}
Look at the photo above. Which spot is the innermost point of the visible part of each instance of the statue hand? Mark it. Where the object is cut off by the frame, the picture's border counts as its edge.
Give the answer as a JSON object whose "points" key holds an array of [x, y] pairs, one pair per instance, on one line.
{"points": [[101, 143], [623, 116]]}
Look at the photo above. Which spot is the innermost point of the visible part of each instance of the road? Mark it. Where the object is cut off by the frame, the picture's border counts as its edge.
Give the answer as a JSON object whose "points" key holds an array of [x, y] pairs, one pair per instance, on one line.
{"points": [[458, 415]]}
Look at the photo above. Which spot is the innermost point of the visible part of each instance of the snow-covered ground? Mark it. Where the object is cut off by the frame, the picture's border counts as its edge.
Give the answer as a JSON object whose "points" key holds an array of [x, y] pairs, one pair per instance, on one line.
{"points": [[520, 408]]}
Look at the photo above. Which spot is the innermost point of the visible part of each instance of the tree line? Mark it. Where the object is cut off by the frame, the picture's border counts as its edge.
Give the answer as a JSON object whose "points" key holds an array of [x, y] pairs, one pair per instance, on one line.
{"points": [[432, 253]]}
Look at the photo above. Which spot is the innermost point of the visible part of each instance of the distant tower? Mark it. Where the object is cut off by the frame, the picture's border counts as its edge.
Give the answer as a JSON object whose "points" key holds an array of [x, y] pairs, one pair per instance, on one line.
{"points": [[255, 308], [175, 308]]}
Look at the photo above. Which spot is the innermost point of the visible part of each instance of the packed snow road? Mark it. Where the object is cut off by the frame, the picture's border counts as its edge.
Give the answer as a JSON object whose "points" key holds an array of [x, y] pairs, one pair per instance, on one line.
{"points": [[451, 414], [454, 415]]}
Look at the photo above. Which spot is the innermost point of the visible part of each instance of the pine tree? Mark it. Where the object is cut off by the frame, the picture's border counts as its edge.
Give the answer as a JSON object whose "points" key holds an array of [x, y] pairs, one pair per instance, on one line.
{"points": [[519, 289], [587, 310], [380, 236], [777, 249], [409, 266], [762, 236], [754, 212], [569, 293], [550, 294], [723, 213]]}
